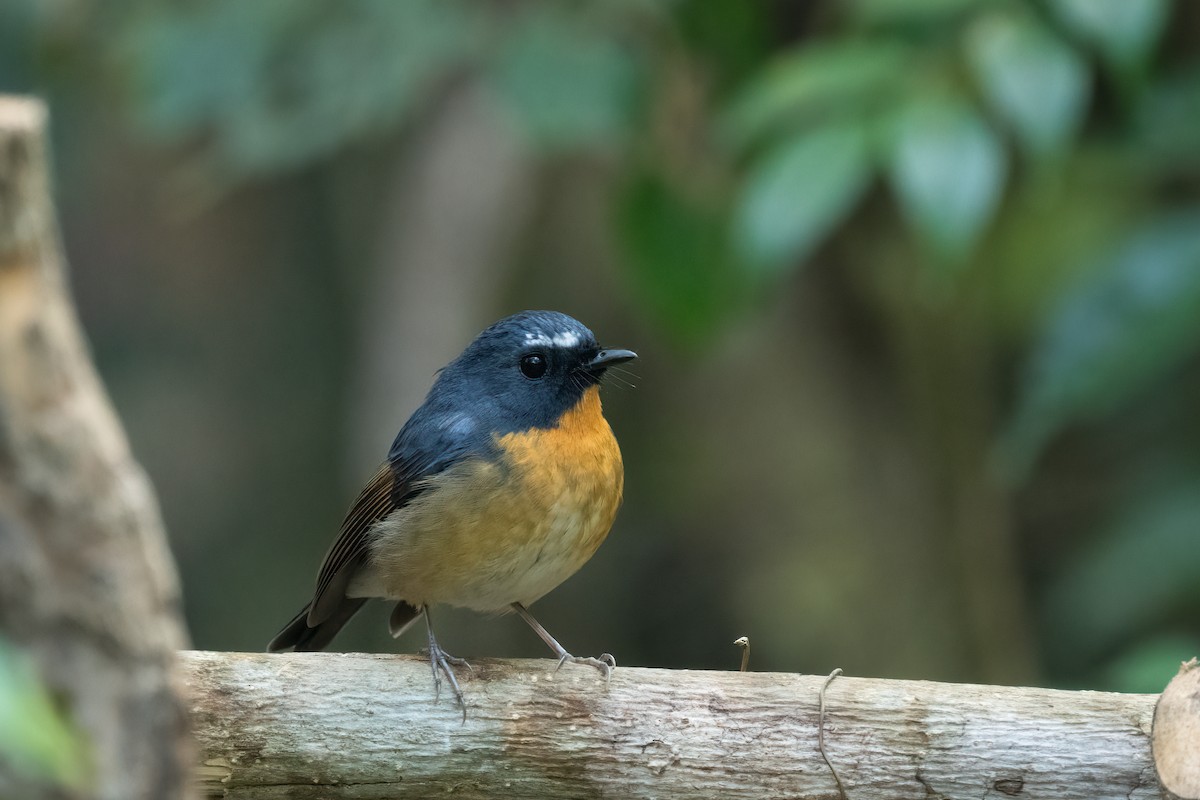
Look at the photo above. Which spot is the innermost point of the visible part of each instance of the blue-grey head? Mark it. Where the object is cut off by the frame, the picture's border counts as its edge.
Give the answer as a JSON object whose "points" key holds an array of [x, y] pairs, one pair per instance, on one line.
{"points": [[526, 371]]}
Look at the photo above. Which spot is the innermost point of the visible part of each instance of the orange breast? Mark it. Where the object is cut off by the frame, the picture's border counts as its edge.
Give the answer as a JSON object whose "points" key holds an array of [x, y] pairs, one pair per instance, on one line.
{"points": [[491, 534], [572, 468]]}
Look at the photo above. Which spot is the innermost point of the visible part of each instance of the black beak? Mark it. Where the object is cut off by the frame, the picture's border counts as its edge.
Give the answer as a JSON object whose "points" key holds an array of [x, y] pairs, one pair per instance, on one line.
{"points": [[607, 358]]}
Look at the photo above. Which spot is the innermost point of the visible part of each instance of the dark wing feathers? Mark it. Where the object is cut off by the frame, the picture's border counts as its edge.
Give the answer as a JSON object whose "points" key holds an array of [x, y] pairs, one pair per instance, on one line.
{"points": [[373, 504], [425, 446]]}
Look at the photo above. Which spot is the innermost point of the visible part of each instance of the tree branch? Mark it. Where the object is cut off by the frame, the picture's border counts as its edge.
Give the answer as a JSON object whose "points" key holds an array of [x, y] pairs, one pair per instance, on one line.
{"points": [[322, 725]]}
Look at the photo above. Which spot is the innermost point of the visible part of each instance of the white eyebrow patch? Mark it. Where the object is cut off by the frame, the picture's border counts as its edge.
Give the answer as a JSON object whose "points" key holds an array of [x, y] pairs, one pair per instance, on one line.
{"points": [[563, 339], [566, 339]]}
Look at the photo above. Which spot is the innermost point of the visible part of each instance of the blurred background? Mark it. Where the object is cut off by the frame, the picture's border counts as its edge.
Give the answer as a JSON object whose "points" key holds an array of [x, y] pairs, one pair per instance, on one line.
{"points": [[915, 283]]}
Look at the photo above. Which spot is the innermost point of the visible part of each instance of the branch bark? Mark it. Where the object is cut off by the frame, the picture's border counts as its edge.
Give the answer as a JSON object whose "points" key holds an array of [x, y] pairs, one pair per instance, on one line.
{"points": [[322, 725], [87, 586]]}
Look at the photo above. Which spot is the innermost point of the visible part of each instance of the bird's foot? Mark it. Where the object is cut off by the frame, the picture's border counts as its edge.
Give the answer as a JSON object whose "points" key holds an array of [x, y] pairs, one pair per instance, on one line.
{"points": [[605, 663], [442, 663]]}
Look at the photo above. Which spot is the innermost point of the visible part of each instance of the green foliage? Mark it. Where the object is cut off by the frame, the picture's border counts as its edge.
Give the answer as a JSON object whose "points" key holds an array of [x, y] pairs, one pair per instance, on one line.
{"points": [[946, 162], [565, 84], [1033, 80], [680, 257], [34, 738], [274, 85], [815, 83], [283, 84], [947, 168], [1119, 331], [1123, 30], [893, 11], [800, 192]]}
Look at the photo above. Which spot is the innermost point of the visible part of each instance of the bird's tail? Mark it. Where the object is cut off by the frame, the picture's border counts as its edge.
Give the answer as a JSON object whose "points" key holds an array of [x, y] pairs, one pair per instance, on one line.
{"points": [[300, 637]]}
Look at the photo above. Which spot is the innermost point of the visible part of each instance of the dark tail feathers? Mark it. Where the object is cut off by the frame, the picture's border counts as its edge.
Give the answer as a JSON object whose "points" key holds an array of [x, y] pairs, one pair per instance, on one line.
{"points": [[403, 616], [300, 637]]}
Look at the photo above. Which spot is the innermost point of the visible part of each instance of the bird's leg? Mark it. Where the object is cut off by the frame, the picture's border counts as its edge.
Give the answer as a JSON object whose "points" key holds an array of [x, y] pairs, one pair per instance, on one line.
{"points": [[604, 663], [442, 662]]}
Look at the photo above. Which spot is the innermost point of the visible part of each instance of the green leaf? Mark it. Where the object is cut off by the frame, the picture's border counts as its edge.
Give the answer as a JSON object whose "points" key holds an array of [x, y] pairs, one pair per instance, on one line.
{"points": [[1033, 80], [677, 251], [836, 78], [567, 86], [34, 738], [1124, 30], [797, 195], [947, 168], [1136, 317]]}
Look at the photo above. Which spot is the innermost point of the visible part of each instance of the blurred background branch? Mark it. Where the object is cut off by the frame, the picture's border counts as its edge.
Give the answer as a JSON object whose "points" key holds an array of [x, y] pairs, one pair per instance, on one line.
{"points": [[916, 286], [89, 600]]}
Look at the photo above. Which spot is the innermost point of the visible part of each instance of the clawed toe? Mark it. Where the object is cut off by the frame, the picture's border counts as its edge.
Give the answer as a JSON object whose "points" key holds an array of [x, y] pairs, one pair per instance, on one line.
{"points": [[453, 661], [605, 663], [457, 662]]}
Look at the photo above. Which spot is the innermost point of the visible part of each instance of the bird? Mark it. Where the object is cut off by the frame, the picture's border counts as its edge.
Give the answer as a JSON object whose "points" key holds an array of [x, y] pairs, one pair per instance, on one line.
{"points": [[498, 488]]}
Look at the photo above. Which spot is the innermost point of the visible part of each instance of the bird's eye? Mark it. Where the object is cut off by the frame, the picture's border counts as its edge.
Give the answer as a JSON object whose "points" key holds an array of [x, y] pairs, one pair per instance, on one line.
{"points": [[533, 366]]}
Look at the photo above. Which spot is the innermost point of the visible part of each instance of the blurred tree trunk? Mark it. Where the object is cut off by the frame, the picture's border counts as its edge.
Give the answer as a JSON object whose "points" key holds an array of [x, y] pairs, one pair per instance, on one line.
{"points": [[88, 589], [940, 343], [459, 198]]}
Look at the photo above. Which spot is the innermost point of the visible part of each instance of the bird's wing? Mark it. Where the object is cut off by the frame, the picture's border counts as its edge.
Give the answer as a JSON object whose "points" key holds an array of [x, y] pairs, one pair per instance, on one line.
{"points": [[421, 450], [375, 502]]}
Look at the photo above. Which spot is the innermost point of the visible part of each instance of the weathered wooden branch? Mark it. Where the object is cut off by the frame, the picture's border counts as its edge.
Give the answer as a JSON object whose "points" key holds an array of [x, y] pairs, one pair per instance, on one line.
{"points": [[87, 587], [361, 726]]}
